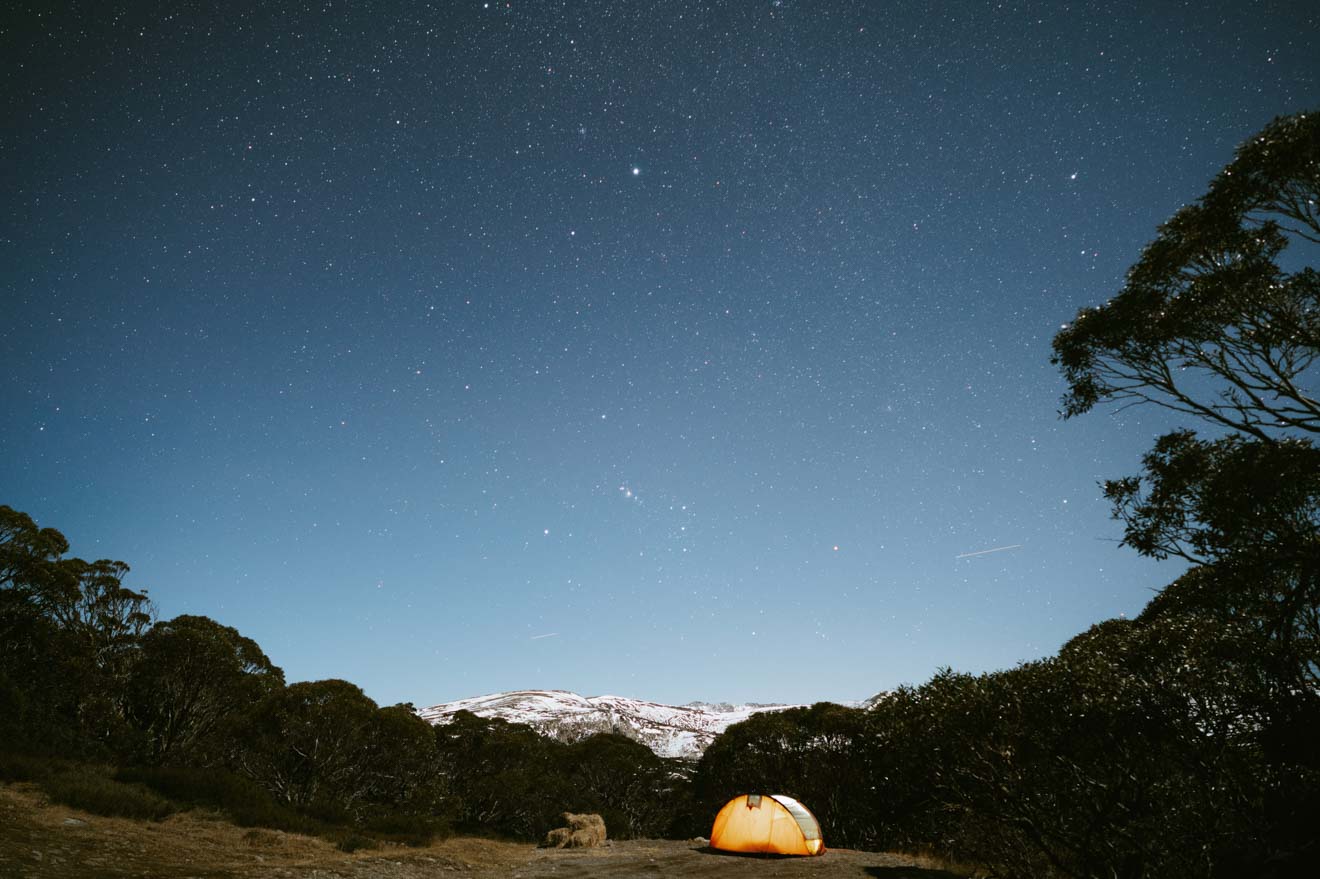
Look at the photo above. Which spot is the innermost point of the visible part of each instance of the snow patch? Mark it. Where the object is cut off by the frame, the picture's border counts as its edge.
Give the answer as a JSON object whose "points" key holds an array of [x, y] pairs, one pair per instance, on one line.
{"points": [[683, 731]]}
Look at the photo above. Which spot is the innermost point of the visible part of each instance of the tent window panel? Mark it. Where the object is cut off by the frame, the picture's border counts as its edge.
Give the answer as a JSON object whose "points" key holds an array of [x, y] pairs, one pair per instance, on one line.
{"points": [[753, 801], [804, 819]]}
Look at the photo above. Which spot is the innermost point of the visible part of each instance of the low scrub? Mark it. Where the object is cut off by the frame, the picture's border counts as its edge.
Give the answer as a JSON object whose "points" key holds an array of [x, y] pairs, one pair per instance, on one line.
{"points": [[197, 787], [247, 803], [410, 830], [355, 842], [28, 767], [101, 795], [273, 816]]}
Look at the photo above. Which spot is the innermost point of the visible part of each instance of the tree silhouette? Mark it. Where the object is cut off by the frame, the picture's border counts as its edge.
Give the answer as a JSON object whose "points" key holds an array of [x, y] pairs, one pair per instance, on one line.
{"points": [[1221, 321], [1208, 322], [193, 674]]}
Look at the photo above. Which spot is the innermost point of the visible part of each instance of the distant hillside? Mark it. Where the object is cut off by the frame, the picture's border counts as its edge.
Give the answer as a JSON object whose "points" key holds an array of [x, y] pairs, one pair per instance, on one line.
{"points": [[668, 730]]}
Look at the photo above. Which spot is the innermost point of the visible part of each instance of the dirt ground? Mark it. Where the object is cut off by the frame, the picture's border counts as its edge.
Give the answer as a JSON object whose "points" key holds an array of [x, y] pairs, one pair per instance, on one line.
{"points": [[47, 841]]}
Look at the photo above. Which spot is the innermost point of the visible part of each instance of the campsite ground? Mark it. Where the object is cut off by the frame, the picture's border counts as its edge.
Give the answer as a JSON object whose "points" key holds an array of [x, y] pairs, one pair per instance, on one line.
{"points": [[46, 841]]}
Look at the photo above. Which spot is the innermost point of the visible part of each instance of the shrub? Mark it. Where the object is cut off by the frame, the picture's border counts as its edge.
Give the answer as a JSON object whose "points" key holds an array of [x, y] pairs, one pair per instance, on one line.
{"points": [[275, 817], [197, 787], [354, 841], [100, 795], [247, 803], [27, 767], [412, 830]]}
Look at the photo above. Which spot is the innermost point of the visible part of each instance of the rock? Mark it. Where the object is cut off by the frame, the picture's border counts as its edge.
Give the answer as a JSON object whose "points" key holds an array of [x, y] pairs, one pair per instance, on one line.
{"points": [[74, 822], [557, 838], [583, 831]]}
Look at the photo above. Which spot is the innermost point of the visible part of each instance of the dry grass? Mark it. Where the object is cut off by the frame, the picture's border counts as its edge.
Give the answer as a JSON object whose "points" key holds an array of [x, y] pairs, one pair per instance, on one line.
{"points": [[40, 838], [37, 840], [934, 862]]}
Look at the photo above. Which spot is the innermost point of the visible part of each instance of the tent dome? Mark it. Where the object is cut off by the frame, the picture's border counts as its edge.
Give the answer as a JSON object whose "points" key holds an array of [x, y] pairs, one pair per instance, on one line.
{"points": [[772, 824]]}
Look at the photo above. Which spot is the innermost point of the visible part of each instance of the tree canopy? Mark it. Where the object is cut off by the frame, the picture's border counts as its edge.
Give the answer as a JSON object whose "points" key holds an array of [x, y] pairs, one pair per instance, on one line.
{"points": [[1209, 321], [1220, 319]]}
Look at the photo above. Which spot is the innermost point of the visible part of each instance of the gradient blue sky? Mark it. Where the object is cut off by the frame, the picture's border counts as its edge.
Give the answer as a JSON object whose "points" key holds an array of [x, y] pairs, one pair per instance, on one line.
{"points": [[674, 350]]}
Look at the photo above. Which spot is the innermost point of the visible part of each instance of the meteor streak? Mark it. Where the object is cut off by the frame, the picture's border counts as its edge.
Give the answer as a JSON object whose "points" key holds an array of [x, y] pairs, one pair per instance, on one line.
{"points": [[967, 555]]}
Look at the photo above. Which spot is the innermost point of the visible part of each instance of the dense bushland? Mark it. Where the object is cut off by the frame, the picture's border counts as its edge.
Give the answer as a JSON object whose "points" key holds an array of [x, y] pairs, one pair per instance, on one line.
{"points": [[1149, 747], [1183, 742], [512, 781], [192, 713]]}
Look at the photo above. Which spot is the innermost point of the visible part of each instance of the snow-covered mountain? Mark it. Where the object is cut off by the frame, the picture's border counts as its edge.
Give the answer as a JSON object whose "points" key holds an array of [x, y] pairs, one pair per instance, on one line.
{"points": [[669, 730]]}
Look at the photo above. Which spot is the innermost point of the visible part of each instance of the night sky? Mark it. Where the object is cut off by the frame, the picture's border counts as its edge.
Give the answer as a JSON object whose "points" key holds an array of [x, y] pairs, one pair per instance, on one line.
{"points": [[675, 350]]}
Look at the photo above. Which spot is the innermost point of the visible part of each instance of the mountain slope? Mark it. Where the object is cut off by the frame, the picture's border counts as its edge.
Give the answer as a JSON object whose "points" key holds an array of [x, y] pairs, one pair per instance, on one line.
{"points": [[668, 730]]}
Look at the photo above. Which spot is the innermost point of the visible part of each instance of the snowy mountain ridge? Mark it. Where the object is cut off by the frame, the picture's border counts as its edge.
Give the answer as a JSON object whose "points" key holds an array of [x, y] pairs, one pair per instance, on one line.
{"points": [[669, 730]]}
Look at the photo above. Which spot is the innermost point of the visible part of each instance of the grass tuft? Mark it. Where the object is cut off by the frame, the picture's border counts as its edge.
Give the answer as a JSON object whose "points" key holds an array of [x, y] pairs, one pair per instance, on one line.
{"points": [[257, 838]]}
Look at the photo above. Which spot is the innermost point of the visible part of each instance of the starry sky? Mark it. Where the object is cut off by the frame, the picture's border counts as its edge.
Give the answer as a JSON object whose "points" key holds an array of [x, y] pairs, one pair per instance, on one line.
{"points": [[678, 350]]}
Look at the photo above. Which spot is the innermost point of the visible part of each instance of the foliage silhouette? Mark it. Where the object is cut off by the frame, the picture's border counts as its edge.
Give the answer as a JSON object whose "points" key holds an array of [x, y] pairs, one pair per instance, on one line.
{"points": [[1208, 322]]}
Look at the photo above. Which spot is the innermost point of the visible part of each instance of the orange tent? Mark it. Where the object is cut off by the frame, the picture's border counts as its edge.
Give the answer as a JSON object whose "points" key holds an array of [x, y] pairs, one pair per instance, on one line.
{"points": [[773, 824]]}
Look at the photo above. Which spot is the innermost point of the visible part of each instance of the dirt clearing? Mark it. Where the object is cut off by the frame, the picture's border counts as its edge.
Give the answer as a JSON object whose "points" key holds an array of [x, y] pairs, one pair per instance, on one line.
{"points": [[46, 841]]}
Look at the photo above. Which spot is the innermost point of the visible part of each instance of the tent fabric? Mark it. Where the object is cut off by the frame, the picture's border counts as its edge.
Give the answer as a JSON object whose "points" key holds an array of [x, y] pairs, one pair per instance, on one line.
{"points": [[773, 824]]}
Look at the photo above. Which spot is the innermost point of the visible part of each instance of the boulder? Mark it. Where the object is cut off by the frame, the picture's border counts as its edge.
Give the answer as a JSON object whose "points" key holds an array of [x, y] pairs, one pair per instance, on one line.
{"points": [[582, 831]]}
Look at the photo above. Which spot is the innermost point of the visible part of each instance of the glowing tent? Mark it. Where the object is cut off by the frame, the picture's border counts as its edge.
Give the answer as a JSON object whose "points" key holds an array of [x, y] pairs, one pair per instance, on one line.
{"points": [[773, 824]]}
